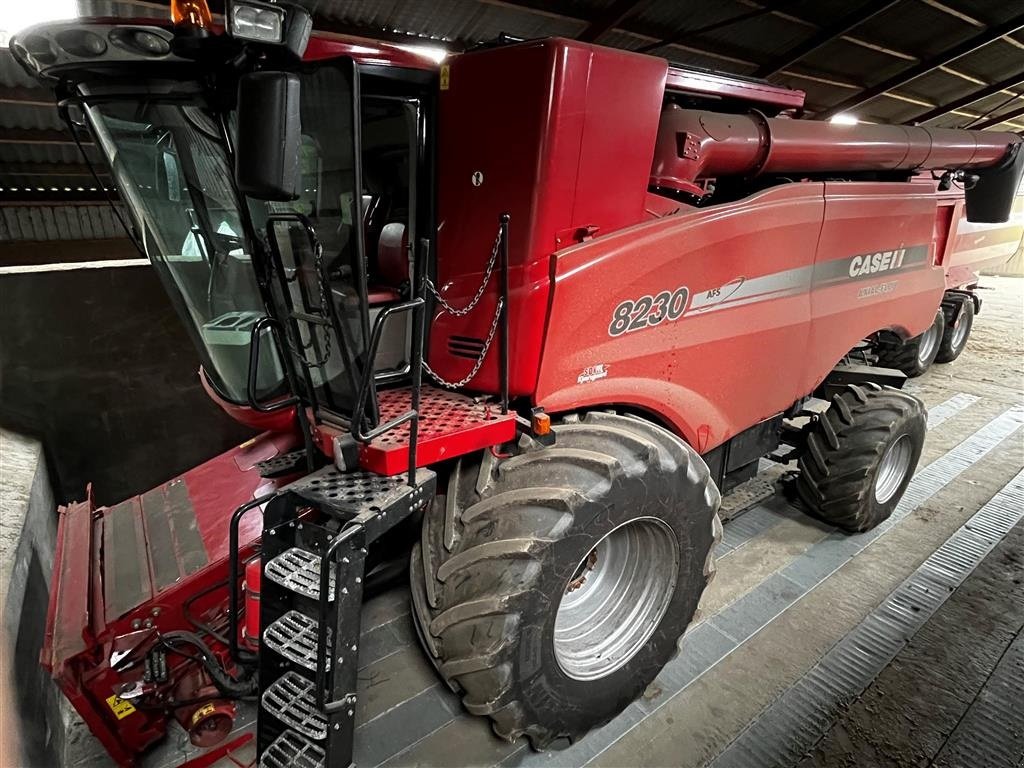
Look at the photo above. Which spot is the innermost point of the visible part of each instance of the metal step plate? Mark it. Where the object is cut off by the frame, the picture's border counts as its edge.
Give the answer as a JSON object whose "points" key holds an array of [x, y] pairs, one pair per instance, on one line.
{"points": [[290, 699], [298, 570], [291, 750], [294, 637]]}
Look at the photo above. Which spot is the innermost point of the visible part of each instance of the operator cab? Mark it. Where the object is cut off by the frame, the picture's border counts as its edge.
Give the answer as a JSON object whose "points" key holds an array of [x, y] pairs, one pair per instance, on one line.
{"points": [[279, 288]]}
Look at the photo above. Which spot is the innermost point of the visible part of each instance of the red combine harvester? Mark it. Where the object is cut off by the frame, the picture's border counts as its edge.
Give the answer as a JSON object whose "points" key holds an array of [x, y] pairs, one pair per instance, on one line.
{"points": [[624, 282]]}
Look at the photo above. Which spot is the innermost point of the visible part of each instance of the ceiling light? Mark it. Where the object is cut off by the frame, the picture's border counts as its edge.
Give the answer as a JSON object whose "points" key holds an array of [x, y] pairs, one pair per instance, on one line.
{"points": [[15, 16], [844, 119]]}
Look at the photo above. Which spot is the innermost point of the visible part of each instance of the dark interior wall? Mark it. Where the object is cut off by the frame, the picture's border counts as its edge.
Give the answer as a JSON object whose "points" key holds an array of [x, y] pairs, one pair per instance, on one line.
{"points": [[96, 363], [64, 251]]}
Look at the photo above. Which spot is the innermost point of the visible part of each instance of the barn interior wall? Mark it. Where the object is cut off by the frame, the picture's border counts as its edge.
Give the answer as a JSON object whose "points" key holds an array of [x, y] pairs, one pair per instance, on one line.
{"points": [[95, 363]]}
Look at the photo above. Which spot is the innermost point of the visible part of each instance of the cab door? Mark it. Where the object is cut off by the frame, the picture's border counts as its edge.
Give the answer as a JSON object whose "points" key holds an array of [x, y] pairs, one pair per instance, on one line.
{"points": [[317, 274]]}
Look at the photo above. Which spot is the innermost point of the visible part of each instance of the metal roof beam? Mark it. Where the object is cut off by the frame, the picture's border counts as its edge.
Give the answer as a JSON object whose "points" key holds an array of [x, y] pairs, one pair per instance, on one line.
{"points": [[49, 169], [999, 119], [34, 136], [610, 18], [682, 34], [970, 98], [28, 97], [824, 36], [967, 46]]}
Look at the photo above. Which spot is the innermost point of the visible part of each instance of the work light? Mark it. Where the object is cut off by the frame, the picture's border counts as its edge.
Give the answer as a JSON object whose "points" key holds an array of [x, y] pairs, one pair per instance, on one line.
{"points": [[283, 24], [257, 22]]}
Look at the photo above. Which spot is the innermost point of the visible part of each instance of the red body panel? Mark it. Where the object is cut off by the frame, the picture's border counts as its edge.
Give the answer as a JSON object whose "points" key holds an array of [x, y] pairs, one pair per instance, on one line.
{"points": [[539, 121], [862, 218], [767, 276]]}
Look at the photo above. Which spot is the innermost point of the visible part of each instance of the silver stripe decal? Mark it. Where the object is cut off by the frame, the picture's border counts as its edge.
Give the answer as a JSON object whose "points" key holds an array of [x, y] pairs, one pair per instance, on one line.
{"points": [[741, 291], [763, 287], [785, 730]]}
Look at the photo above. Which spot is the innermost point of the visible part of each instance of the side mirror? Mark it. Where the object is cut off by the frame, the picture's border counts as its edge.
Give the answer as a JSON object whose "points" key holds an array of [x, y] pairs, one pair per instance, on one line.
{"points": [[269, 136]]}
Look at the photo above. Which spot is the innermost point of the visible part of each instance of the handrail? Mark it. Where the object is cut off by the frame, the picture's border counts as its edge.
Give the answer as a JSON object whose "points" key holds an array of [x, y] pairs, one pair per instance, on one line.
{"points": [[503, 363], [416, 306], [254, 367], [326, 562]]}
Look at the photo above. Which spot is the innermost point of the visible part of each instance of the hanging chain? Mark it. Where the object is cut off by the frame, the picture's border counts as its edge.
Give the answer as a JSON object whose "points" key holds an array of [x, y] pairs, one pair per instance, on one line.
{"points": [[479, 291], [479, 360], [457, 312]]}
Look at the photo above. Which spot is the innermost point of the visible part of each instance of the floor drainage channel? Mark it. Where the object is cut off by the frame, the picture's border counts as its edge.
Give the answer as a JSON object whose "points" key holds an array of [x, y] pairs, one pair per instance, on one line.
{"points": [[784, 732]]}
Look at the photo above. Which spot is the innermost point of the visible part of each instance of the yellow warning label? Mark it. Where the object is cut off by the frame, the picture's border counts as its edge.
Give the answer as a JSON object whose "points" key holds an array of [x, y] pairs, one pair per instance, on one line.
{"points": [[120, 707], [202, 712], [445, 76]]}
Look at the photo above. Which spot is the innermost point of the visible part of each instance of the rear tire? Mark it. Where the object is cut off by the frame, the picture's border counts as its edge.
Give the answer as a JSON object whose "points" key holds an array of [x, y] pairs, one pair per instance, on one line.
{"points": [[861, 456], [956, 330], [913, 356], [510, 561]]}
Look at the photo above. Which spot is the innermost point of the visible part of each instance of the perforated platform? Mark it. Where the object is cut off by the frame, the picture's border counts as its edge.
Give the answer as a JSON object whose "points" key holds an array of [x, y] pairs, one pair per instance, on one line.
{"points": [[450, 425]]}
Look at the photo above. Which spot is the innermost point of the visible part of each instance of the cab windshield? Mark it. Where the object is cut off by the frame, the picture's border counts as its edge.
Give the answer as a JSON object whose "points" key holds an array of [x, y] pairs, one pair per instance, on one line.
{"points": [[174, 174], [174, 177]]}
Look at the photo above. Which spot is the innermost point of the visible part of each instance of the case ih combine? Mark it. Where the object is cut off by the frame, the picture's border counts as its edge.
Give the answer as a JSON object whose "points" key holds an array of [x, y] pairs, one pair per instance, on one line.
{"points": [[622, 282]]}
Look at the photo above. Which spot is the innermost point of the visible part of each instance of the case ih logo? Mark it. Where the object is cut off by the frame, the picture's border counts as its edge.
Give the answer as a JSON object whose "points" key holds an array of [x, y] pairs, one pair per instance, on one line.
{"points": [[882, 261]]}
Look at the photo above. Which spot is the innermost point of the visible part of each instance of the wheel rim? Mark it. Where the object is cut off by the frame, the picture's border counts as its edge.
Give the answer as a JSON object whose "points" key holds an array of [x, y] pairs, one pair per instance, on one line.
{"points": [[893, 469], [616, 598], [959, 331], [929, 341]]}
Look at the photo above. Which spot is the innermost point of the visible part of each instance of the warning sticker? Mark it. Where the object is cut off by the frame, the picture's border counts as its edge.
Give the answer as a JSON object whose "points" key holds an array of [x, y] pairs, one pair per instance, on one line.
{"points": [[120, 707], [445, 76]]}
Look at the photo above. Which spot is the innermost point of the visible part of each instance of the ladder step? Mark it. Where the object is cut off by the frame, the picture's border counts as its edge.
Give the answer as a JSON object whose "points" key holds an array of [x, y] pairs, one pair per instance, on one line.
{"points": [[298, 570], [294, 636], [292, 750], [290, 699]]}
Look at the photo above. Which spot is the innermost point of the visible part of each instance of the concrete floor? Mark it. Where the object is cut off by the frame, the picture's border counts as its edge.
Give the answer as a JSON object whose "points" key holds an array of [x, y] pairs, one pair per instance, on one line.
{"points": [[788, 591]]}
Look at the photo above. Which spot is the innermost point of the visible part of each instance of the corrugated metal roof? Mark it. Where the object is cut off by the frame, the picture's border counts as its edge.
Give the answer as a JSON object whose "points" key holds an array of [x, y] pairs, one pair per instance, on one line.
{"points": [[64, 222], [879, 48]]}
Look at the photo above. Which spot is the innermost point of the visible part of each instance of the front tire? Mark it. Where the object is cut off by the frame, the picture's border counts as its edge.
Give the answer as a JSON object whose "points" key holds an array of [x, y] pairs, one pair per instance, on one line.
{"points": [[514, 581], [913, 356], [861, 455]]}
